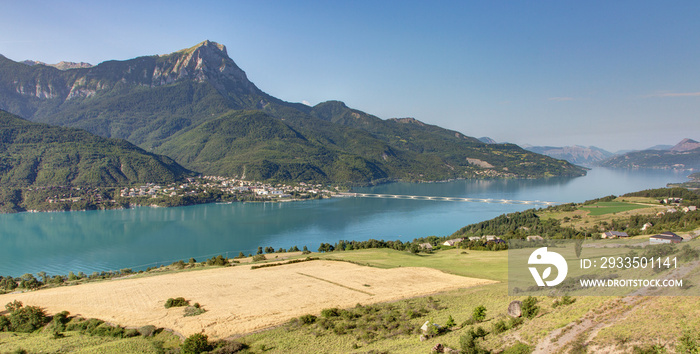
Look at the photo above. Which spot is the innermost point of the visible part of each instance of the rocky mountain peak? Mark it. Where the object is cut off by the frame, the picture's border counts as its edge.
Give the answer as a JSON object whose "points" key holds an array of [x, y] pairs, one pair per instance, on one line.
{"points": [[206, 61], [686, 145]]}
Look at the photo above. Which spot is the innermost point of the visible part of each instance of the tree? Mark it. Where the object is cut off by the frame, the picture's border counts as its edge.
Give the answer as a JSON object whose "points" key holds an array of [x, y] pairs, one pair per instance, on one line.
{"points": [[29, 282], [260, 250], [8, 283], [44, 277], [195, 344]]}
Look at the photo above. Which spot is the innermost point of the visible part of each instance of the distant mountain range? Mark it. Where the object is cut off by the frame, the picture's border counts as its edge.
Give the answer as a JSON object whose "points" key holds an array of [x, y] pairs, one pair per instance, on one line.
{"points": [[579, 155], [684, 155], [198, 107]]}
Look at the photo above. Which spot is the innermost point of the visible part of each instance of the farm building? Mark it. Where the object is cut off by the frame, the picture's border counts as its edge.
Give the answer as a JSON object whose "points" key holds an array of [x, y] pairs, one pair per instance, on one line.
{"points": [[665, 237], [453, 241]]}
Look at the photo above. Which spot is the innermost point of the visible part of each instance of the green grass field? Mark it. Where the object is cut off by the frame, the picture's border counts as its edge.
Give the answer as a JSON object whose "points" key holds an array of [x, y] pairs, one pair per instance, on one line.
{"points": [[603, 208], [474, 264], [43, 341]]}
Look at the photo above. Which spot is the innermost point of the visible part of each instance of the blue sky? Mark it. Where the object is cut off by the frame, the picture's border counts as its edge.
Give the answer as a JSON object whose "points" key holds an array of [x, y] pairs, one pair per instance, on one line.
{"points": [[615, 74]]}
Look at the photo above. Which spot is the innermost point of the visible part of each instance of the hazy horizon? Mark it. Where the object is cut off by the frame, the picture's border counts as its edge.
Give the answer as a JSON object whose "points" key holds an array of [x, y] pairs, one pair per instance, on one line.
{"points": [[619, 75]]}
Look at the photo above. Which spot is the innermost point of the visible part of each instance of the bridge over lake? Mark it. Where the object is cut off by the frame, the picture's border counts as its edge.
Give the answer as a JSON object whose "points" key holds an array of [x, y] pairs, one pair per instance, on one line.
{"points": [[444, 199]]}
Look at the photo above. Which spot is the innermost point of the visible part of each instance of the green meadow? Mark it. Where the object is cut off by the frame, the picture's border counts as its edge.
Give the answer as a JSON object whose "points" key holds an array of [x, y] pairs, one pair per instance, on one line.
{"points": [[603, 208]]}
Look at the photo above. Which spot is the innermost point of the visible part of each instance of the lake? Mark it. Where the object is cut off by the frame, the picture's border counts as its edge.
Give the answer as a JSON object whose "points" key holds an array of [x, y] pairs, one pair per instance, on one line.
{"points": [[89, 241]]}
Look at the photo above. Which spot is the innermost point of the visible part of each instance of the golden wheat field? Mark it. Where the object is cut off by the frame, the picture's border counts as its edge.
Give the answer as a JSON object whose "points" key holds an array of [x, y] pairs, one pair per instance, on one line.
{"points": [[240, 299]]}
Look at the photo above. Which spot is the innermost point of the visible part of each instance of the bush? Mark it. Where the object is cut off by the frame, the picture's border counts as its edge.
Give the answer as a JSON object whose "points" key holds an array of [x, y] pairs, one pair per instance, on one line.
{"points": [[530, 308], [58, 322], [469, 345], [25, 319], [195, 344], [259, 257], [500, 327], [307, 319], [228, 347], [194, 310], [479, 313], [147, 331], [450, 322], [565, 300], [176, 302], [5, 325], [332, 312]]}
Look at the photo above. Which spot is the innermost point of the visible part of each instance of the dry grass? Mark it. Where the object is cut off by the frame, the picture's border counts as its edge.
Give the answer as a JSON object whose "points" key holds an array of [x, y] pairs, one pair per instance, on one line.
{"points": [[241, 300]]}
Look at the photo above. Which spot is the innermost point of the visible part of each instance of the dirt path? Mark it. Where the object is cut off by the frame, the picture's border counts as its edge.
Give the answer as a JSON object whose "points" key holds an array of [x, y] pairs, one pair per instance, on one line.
{"points": [[583, 332]]}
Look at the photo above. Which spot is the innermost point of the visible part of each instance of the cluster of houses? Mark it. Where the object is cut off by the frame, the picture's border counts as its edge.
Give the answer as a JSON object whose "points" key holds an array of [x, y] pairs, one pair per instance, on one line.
{"points": [[455, 241], [224, 184]]}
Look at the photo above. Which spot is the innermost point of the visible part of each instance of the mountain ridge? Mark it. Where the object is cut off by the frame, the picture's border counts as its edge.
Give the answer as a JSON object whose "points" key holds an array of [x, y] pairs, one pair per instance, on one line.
{"points": [[152, 100], [576, 154], [684, 155]]}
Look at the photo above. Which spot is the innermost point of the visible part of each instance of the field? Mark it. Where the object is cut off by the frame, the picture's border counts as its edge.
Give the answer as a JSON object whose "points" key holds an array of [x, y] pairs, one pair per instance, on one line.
{"points": [[602, 208], [240, 299]]}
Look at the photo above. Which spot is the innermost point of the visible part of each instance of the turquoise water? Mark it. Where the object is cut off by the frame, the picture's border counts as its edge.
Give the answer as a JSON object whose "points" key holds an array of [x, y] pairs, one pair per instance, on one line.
{"points": [[90, 241]]}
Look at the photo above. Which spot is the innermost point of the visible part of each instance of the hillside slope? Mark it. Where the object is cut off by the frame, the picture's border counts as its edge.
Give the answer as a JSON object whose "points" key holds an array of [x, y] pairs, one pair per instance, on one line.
{"points": [[34, 154]]}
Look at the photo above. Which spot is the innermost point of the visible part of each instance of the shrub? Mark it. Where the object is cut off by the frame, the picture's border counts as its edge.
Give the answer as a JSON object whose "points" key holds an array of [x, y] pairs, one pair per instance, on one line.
{"points": [[195, 344], [500, 327], [5, 325], [479, 313], [308, 319], [530, 308], [332, 312], [228, 347], [565, 300], [147, 331], [450, 322], [25, 319], [515, 322], [58, 322], [259, 257], [194, 311], [469, 345], [176, 302]]}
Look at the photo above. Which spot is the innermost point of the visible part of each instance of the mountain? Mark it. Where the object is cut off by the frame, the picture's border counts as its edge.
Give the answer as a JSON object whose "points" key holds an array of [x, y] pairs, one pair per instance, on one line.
{"points": [[685, 145], [64, 65], [655, 147], [35, 154], [684, 155], [487, 140], [579, 155], [199, 98]]}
